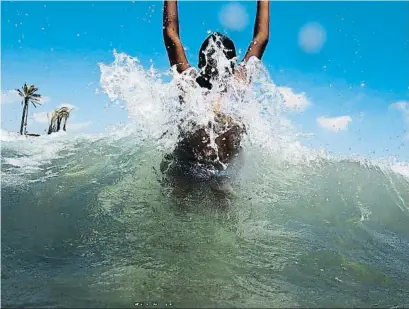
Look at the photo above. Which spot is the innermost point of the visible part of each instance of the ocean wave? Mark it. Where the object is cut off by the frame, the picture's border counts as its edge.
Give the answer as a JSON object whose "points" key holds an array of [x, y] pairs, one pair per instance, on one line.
{"points": [[89, 214]]}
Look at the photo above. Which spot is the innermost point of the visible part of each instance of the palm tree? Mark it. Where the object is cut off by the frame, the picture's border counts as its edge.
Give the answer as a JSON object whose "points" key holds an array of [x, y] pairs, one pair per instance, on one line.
{"points": [[59, 116], [64, 114], [28, 94], [53, 121]]}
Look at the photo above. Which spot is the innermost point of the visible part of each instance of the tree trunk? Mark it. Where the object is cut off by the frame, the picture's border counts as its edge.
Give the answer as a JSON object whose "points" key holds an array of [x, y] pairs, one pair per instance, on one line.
{"points": [[65, 123], [25, 121], [58, 124], [23, 117], [50, 129]]}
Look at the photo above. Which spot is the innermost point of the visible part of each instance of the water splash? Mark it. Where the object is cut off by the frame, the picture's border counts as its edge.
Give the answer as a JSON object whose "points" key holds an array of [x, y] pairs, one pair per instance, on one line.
{"points": [[154, 106]]}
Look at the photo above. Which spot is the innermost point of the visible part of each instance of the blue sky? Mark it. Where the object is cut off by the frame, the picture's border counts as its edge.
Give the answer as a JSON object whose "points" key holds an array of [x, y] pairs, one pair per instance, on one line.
{"points": [[353, 82]]}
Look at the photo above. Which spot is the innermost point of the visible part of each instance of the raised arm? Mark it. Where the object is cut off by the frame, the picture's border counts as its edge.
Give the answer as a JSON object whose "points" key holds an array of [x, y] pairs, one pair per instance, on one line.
{"points": [[261, 31], [173, 44]]}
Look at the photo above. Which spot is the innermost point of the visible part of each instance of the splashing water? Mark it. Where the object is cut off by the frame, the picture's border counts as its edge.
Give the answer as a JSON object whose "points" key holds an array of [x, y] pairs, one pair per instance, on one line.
{"points": [[87, 223], [155, 106]]}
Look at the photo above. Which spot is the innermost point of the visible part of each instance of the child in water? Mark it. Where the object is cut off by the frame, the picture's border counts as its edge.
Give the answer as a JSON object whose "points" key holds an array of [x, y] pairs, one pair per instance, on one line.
{"points": [[199, 154]]}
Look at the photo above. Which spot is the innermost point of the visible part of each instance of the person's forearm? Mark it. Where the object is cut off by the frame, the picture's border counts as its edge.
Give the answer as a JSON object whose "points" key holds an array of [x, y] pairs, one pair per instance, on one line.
{"points": [[170, 20], [261, 31], [173, 44], [261, 26]]}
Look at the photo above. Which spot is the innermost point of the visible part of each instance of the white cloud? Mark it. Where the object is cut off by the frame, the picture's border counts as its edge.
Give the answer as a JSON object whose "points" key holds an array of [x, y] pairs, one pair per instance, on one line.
{"points": [[45, 99], [40, 117], [311, 37], [77, 126], [335, 124], [10, 96], [292, 100], [70, 106], [234, 16], [403, 106]]}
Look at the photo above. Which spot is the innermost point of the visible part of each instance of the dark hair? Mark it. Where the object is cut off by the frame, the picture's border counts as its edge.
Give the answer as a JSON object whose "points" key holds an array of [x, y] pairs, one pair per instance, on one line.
{"points": [[207, 65]]}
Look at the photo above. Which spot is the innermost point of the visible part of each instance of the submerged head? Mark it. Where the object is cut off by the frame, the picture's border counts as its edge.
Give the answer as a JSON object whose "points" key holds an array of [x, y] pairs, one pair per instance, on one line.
{"points": [[216, 54]]}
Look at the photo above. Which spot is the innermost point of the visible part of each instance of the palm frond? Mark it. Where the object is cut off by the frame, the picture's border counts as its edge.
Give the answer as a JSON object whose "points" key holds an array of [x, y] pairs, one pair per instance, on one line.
{"points": [[31, 91], [34, 99]]}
